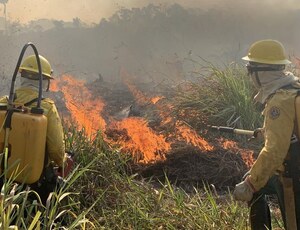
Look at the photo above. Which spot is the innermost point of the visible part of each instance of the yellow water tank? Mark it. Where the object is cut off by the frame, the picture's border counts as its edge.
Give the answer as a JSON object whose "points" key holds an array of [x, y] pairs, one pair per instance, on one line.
{"points": [[26, 146]]}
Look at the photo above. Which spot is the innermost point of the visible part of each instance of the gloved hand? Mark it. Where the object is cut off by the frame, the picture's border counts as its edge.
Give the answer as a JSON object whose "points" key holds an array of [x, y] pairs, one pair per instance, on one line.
{"points": [[64, 171], [244, 191]]}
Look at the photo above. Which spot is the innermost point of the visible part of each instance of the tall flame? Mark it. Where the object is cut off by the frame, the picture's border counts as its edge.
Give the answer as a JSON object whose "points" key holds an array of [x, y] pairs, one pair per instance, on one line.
{"points": [[139, 96], [136, 136], [85, 109], [190, 136], [142, 139], [185, 132]]}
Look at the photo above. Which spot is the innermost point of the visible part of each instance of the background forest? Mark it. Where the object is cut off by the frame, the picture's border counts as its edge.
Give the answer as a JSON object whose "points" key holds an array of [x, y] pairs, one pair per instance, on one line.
{"points": [[154, 42]]}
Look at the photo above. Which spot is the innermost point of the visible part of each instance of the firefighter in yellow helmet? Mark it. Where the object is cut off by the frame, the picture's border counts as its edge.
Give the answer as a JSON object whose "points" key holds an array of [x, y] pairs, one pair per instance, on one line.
{"points": [[277, 90], [27, 94]]}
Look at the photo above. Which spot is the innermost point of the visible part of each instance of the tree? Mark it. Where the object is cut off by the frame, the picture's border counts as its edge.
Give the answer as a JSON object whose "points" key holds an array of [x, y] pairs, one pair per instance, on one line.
{"points": [[77, 23], [58, 24]]}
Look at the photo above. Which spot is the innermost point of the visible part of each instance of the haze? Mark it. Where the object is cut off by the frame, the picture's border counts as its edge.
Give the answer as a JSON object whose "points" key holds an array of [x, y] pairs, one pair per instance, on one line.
{"points": [[156, 41], [91, 11]]}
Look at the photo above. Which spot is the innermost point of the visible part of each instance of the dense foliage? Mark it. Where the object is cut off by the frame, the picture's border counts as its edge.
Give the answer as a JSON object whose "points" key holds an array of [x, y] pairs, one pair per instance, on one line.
{"points": [[224, 96]]}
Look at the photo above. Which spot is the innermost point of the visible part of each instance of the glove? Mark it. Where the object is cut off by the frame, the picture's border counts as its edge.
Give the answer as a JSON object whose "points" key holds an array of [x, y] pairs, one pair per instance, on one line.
{"points": [[244, 191], [64, 171]]}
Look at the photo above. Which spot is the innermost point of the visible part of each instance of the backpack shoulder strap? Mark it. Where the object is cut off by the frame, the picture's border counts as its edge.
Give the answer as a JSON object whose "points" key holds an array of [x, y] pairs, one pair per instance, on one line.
{"points": [[32, 101]]}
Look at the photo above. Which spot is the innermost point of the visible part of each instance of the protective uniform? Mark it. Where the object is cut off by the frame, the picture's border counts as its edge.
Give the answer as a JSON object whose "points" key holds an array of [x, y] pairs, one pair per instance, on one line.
{"points": [[55, 146], [277, 89], [278, 128]]}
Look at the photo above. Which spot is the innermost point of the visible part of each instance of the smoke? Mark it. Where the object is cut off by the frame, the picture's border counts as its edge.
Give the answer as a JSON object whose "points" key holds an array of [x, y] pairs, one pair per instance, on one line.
{"points": [[209, 4], [92, 11], [153, 41]]}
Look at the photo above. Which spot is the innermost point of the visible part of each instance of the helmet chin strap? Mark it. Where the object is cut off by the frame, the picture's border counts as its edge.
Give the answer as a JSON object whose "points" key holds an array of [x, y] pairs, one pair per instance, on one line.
{"points": [[254, 69], [48, 86], [257, 78]]}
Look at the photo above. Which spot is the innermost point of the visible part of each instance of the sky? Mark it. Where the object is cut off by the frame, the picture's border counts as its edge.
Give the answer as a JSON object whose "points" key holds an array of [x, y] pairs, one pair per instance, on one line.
{"points": [[92, 11]]}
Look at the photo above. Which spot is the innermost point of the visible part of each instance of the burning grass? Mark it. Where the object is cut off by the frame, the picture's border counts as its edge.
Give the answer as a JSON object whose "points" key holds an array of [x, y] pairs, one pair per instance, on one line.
{"points": [[153, 165], [139, 140], [126, 201], [156, 136], [189, 167], [142, 163]]}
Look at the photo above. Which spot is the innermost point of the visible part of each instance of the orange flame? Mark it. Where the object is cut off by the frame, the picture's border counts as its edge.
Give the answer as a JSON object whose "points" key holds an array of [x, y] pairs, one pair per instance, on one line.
{"points": [[190, 136], [229, 144], [154, 100], [143, 140], [137, 137], [138, 95], [185, 132], [248, 158], [85, 110], [247, 155]]}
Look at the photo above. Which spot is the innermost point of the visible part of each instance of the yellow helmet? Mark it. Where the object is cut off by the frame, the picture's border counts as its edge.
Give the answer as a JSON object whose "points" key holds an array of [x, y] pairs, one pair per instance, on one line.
{"points": [[30, 64], [267, 52]]}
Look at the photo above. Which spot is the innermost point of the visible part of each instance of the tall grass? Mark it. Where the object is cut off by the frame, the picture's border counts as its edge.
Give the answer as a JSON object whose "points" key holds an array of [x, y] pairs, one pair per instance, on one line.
{"points": [[126, 201], [225, 96], [21, 208], [102, 193]]}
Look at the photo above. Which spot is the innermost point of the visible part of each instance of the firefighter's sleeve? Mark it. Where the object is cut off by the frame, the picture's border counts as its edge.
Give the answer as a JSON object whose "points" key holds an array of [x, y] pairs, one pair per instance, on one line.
{"points": [[279, 115], [55, 137]]}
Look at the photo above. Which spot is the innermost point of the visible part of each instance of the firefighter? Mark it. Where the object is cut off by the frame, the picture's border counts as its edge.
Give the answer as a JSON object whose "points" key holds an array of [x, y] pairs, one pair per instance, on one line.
{"points": [[277, 90], [27, 94]]}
